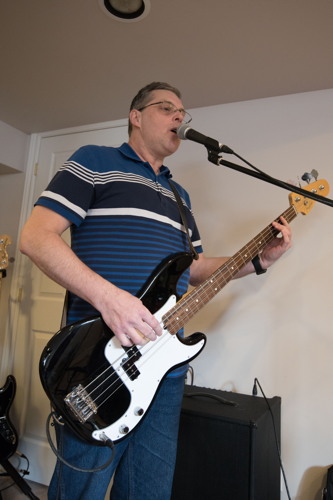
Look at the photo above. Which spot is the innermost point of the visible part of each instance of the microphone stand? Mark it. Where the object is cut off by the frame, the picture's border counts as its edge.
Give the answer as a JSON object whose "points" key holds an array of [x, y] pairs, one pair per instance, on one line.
{"points": [[214, 157]]}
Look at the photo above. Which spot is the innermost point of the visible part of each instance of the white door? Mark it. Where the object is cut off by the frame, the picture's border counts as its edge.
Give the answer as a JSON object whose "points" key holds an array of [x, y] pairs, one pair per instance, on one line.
{"points": [[39, 310]]}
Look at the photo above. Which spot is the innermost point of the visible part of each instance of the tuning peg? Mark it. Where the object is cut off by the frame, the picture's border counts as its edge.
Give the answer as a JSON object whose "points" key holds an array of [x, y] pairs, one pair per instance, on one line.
{"points": [[306, 177], [314, 174]]}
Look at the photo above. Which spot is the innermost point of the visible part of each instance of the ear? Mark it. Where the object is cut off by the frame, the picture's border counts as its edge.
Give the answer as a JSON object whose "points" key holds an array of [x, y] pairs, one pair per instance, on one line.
{"points": [[135, 117]]}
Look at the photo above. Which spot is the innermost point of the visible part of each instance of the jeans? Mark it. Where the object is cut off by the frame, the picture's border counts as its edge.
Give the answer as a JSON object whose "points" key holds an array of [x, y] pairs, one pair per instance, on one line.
{"points": [[144, 461]]}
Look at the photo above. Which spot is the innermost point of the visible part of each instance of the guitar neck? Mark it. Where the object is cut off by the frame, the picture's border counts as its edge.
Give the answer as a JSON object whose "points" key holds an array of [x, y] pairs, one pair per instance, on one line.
{"points": [[191, 303]]}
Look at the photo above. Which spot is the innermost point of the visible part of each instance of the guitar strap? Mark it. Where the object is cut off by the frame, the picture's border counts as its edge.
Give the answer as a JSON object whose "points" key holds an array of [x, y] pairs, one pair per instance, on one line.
{"points": [[63, 321], [183, 217]]}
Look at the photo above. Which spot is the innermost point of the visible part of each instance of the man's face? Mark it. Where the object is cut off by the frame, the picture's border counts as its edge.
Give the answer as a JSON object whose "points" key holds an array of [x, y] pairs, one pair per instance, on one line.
{"points": [[157, 126]]}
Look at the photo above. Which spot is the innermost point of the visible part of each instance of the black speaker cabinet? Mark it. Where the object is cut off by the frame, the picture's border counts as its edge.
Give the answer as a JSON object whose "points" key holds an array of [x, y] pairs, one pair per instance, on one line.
{"points": [[227, 447]]}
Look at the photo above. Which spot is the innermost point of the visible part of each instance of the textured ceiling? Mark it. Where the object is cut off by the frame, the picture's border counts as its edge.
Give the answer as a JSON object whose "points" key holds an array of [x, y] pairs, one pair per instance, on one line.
{"points": [[66, 63]]}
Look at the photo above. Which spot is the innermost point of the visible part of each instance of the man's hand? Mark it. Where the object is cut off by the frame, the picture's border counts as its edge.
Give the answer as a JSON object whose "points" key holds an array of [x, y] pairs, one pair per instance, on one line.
{"points": [[128, 318], [278, 246]]}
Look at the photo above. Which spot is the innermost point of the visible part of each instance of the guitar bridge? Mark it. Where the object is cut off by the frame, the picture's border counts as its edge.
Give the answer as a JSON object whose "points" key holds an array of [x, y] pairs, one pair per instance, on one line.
{"points": [[81, 404]]}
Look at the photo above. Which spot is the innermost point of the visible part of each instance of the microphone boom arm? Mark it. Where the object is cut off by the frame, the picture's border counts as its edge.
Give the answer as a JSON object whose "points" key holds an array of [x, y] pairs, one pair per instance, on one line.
{"points": [[216, 159]]}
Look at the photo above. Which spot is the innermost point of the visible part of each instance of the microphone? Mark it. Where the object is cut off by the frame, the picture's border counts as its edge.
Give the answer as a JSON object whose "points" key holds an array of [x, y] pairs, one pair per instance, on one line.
{"points": [[186, 132]]}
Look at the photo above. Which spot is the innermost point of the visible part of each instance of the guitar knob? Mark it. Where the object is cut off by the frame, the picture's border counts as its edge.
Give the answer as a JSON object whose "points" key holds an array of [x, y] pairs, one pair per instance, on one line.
{"points": [[123, 429], [139, 412]]}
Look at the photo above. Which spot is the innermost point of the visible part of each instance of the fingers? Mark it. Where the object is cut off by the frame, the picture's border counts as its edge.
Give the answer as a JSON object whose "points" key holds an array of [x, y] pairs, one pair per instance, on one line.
{"points": [[129, 319], [129, 339], [285, 231], [137, 337], [138, 326], [277, 246], [144, 333]]}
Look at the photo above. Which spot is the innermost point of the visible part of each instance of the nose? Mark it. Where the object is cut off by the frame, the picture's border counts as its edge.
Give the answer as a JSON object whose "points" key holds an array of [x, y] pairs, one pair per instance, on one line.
{"points": [[178, 115]]}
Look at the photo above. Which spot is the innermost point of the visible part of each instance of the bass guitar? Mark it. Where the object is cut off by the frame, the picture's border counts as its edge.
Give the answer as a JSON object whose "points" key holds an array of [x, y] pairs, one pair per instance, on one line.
{"points": [[8, 435], [101, 389]]}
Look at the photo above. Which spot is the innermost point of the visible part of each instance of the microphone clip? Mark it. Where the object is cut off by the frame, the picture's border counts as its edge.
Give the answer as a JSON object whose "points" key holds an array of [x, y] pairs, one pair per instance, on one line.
{"points": [[214, 157]]}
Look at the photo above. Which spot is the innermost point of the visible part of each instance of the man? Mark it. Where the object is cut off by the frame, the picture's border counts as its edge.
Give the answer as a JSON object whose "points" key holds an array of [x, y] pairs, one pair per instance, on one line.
{"points": [[124, 221]]}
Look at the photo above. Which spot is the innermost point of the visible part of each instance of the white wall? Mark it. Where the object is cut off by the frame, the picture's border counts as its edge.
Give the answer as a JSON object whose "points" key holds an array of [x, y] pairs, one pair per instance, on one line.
{"points": [[277, 326], [13, 144], [13, 155]]}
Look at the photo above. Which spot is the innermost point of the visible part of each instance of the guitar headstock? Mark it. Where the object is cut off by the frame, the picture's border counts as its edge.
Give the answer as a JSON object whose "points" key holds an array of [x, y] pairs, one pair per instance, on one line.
{"points": [[4, 242], [303, 204]]}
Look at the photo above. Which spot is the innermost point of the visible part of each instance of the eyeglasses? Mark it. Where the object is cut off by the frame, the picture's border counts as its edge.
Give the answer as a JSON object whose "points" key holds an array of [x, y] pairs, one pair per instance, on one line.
{"points": [[168, 109]]}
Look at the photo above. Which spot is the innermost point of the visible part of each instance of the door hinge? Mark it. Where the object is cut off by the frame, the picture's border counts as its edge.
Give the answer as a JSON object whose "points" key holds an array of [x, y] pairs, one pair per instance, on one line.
{"points": [[20, 294], [36, 169]]}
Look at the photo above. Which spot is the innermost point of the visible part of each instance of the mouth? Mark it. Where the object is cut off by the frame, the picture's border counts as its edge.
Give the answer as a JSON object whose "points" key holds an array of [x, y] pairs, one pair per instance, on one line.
{"points": [[174, 130]]}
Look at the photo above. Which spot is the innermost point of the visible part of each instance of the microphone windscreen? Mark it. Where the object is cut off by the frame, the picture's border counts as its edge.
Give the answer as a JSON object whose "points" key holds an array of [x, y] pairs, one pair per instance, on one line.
{"points": [[182, 131]]}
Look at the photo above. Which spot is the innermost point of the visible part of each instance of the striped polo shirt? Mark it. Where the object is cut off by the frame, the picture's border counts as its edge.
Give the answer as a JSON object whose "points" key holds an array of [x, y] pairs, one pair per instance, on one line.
{"points": [[125, 219]]}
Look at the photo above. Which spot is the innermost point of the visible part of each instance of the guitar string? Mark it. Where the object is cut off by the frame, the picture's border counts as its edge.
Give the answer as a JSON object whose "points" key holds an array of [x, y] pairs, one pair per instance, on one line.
{"points": [[116, 366], [266, 235], [124, 374], [155, 345]]}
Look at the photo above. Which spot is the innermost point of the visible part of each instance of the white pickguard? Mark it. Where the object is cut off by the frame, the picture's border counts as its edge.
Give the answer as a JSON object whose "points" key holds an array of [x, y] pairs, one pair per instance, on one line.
{"points": [[157, 358]]}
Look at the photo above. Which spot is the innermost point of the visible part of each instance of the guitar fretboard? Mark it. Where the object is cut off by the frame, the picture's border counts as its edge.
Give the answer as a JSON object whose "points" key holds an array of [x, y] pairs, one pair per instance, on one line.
{"points": [[189, 305]]}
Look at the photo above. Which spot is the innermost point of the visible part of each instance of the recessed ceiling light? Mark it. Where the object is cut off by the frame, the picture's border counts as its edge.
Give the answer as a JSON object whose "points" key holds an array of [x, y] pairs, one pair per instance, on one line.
{"points": [[125, 10]]}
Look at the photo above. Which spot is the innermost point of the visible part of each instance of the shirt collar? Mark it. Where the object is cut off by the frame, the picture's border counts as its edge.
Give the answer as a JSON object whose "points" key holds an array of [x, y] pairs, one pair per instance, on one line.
{"points": [[126, 150]]}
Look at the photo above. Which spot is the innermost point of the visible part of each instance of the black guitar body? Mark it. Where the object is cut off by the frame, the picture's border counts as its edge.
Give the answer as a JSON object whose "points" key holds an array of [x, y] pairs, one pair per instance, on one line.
{"points": [[8, 435], [75, 356]]}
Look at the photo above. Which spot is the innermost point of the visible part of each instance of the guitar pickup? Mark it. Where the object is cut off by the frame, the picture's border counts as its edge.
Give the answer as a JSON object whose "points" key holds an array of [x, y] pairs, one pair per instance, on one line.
{"points": [[133, 354], [81, 404]]}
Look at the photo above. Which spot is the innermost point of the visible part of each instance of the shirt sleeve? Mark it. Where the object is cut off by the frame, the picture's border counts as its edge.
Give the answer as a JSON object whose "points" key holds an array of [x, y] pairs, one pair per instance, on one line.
{"points": [[71, 191]]}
